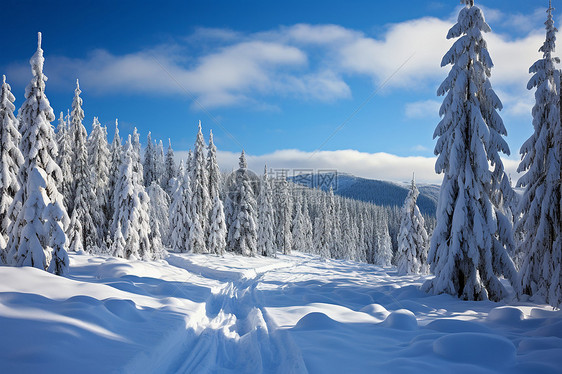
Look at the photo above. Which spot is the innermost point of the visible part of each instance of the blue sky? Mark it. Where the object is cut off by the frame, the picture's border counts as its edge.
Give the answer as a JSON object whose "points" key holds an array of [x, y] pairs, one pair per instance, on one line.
{"points": [[276, 78]]}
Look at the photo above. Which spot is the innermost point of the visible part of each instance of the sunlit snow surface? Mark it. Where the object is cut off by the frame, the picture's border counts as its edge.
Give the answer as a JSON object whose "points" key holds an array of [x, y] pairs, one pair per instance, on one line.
{"points": [[198, 314]]}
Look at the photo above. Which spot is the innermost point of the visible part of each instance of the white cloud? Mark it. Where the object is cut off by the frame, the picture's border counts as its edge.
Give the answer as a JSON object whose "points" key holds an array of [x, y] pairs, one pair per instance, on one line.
{"points": [[423, 109], [419, 148], [304, 61], [382, 166]]}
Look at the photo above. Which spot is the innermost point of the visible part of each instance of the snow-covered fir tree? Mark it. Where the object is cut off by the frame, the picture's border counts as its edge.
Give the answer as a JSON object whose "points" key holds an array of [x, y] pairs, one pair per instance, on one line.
{"points": [[99, 159], [159, 214], [149, 162], [201, 202], [323, 239], [179, 214], [115, 156], [11, 159], [468, 247], [170, 169], [38, 206], [242, 234], [302, 229], [130, 217], [216, 240], [283, 201], [84, 232], [159, 164], [65, 158], [266, 219], [411, 257], [383, 245], [135, 154], [541, 205]]}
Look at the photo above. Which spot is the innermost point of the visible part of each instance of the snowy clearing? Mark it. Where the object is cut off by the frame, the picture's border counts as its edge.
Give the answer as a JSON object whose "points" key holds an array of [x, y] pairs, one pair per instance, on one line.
{"points": [[231, 314]]}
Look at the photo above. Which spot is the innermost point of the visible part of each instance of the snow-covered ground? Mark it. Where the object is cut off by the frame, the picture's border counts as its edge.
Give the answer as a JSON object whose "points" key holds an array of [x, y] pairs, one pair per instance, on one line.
{"points": [[294, 314]]}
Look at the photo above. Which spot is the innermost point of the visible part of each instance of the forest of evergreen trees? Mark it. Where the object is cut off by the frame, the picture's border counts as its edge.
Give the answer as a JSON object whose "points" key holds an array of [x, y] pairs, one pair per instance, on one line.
{"points": [[67, 190]]}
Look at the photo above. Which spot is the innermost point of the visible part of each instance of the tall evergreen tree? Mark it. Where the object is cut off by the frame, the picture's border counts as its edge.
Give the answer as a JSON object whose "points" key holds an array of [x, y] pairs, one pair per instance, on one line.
{"points": [[99, 159], [115, 155], [468, 248], [131, 223], [83, 233], [159, 163], [541, 204], [159, 206], [65, 158], [201, 202], [284, 215], [149, 164], [242, 234], [11, 159], [216, 241], [170, 171], [411, 257], [179, 214], [266, 221], [38, 206]]}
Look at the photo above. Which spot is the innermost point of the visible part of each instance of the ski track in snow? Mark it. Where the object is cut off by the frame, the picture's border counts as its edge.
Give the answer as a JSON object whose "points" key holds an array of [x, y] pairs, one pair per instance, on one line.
{"points": [[233, 333]]}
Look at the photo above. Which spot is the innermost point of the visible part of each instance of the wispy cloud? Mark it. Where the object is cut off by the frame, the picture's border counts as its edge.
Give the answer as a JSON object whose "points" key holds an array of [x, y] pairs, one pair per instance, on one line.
{"points": [[223, 67], [383, 166], [423, 109]]}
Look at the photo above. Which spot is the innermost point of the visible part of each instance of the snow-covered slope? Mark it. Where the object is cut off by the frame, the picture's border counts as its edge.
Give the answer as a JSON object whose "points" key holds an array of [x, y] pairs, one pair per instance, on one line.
{"points": [[379, 192], [294, 314]]}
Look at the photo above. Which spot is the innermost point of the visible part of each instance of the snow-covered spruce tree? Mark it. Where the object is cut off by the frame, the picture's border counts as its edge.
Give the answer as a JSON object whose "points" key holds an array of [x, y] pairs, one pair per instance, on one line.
{"points": [[179, 214], [64, 160], [170, 170], [383, 243], [468, 248], [201, 202], [411, 257], [323, 227], [84, 232], [98, 159], [266, 233], [159, 214], [540, 207], [242, 234], [38, 206], [299, 228], [130, 217], [282, 198], [149, 162], [216, 241], [115, 156], [11, 159], [159, 165], [213, 169], [135, 154]]}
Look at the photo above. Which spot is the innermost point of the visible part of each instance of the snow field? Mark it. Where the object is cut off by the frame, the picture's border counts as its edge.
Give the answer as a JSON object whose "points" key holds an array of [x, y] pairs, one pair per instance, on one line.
{"points": [[292, 314]]}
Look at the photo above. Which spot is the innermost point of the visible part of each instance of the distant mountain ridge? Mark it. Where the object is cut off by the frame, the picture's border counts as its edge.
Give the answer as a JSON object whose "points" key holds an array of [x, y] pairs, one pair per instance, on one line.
{"points": [[375, 191]]}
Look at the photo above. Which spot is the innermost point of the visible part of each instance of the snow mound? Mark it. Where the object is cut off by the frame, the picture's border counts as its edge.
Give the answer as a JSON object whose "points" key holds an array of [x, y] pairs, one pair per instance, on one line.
{"points": [[454, 325], [475, 348], [376, 310], [401, 319], [505, 315], [125, 309], [315, 321]]}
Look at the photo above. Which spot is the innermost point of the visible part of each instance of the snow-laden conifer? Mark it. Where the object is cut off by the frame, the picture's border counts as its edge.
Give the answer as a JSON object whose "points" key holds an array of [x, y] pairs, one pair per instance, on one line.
{"points": [[65, 159], [11, 160], [179, 214], [149, 162], [468, 249], [201, 202], [266, 221], [170, 169], [541, 206], [38, 206], [283, 200], [159, 163], [115, 154], [216, 241], [159, 214], [84, 232], [130, 216], [242, 235], [411, 257], [99, 159]]}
